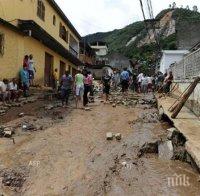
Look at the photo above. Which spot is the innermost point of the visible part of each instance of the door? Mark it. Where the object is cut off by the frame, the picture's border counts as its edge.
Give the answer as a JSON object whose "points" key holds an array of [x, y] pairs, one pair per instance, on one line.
{"points": [[48, 70], [62, 68]]}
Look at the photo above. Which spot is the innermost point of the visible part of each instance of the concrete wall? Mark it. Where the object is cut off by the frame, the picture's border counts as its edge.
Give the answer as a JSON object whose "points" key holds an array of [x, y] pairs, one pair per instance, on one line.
{"points": [[16, 46], [11, 10], [168, 59], [188, 34]]}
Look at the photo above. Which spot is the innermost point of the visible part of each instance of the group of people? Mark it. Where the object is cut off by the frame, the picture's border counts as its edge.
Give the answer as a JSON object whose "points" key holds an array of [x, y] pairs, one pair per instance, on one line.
{"points": [[13, 89], [140, 83], [81, 85]]}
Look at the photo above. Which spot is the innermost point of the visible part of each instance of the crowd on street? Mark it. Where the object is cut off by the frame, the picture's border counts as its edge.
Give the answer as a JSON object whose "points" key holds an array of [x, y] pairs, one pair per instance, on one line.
{"points": [[82, 86]]}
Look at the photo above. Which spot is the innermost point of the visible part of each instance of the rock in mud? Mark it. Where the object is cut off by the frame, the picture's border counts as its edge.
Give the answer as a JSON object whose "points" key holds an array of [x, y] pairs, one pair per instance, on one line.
{"points": [[21, 115], [148, 148], [118, 136], [109, 136], [165, 150], [114, 105]]}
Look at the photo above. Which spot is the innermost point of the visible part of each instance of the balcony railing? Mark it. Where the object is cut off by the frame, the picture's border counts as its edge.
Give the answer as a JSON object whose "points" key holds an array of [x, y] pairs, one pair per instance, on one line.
{"points": [[73, 51]]}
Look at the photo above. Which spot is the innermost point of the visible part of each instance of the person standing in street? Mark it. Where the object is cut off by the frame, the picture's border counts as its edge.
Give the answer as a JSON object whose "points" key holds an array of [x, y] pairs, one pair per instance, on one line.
{"points": [[24, 76], [66, 87], [106, 80], [31, 69], [125, 77], [144, 84], [86, 89], [55, 80], [79, 87]]}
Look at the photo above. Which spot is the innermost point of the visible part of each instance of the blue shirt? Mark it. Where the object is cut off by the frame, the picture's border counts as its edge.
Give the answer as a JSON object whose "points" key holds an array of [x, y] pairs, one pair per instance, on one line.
{"points": [[24, 76], [125, 75]]}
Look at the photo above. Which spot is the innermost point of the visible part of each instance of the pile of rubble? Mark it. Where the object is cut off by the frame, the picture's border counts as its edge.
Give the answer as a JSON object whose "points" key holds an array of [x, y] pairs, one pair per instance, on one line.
{"points": [[148, 118], [14, 178], [119, 99], [22, 101], [6, 131]]}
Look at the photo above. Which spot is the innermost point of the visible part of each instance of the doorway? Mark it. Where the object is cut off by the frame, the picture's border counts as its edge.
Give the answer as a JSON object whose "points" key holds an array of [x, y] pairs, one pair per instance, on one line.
{"points": [[62, 68], [48, 70]]}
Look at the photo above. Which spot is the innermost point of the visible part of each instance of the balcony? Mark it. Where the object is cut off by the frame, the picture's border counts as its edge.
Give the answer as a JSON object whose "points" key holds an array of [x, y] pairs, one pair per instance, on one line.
{"points": [[73, 51]]}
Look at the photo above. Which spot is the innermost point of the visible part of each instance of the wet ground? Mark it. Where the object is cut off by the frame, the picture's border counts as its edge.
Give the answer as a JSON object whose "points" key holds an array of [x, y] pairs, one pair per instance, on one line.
{"points": [[71, 156]]}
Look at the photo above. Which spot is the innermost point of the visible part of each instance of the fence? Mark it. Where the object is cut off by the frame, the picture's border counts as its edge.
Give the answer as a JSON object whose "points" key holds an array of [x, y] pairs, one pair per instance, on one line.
{"points": [[187, 68]]}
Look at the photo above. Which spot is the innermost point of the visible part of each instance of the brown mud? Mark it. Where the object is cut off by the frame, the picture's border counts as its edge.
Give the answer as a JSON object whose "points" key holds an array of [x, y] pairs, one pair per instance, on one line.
{"points": [[73, 157]]}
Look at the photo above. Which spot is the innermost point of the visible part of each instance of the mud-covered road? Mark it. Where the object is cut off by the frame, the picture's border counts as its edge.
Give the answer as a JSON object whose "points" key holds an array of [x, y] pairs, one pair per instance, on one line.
{"points": [[73, 157]]}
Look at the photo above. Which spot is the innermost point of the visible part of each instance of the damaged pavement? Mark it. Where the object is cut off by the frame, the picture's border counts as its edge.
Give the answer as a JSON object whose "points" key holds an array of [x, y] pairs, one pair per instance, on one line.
{"points": [[122, 147]]}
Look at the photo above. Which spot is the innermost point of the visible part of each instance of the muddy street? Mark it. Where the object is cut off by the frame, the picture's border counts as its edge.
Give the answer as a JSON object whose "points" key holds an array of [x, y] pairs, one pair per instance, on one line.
{"points": [[73, 157]]}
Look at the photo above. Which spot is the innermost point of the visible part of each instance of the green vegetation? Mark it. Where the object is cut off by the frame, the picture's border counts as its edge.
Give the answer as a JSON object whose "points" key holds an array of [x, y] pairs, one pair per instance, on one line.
{"points": [[118, 38]]}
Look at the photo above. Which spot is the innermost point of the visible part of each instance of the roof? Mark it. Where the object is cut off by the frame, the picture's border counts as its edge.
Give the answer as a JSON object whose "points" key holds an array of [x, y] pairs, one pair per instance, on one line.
{"points": [[64, 17], [175, 51]]}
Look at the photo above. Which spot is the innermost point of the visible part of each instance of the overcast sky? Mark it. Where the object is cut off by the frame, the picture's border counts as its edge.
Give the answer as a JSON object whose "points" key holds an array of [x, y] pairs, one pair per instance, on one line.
{"points": [[91, 16]]}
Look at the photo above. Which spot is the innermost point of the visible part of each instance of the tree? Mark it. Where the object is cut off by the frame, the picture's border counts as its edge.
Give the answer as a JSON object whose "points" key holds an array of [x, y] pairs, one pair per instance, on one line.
{"points": [[195, 8], [170, 6], [187, 7], [174, 5]]}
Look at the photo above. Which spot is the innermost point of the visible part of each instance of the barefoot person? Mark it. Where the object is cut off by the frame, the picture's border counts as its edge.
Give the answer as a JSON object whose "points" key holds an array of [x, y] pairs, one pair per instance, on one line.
{"points": [[79, 87], [4, 92], [15, 92]]}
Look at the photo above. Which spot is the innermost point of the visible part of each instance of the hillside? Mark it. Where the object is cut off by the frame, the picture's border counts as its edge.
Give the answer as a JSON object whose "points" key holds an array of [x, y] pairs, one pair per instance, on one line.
{"points": [[134, 42]]}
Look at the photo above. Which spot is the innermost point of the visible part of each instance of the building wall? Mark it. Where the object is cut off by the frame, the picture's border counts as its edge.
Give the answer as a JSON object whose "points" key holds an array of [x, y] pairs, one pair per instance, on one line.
{"points": [[16, 46], [184, 73], [168, 59], [10, 10]]}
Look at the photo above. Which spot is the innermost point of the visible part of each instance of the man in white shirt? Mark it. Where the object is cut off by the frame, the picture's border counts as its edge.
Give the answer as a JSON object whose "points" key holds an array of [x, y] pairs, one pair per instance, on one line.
{"points": [[4, 92], [14, 91], [139, 81]]}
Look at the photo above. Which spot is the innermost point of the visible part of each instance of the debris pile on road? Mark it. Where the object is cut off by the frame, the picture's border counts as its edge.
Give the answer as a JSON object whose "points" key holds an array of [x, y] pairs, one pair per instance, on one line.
{"points": [[111, 136], [148, 118], [6, 132], [29, 127], [151, 147], [22, 101], [14, 178]]}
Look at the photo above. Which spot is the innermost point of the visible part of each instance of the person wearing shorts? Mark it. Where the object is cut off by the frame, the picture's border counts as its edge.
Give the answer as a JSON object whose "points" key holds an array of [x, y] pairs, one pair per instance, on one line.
{"points": [[79, 87], [31, 69]]}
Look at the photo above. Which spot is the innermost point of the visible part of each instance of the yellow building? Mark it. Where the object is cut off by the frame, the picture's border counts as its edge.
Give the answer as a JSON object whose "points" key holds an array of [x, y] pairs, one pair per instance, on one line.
{"points": [[40, 28]]}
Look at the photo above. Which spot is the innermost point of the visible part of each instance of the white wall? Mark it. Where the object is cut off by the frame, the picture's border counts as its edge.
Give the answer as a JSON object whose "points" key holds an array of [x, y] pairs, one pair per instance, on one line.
{"points": [[168, 59]]}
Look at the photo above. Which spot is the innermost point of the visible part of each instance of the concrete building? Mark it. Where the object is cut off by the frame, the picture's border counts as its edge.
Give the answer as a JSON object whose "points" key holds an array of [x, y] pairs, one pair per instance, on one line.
{"points": [[87, 54], [37, 27], [119, 61], [169, 57], [101, 50]]}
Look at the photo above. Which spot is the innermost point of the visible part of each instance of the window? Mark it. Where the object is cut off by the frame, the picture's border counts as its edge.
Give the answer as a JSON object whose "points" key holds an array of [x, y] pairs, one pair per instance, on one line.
{"points": [[63, 33], [54, 20], [41, 10], [1, 44]]}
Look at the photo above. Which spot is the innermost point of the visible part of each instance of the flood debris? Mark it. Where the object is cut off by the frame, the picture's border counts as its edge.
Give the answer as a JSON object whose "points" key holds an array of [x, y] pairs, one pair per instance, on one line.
{"points": [[118, 136], [151, 147], [6, 132], [109, 136], [148, 118], [29, 127], [166, 150], [14, 178]]}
